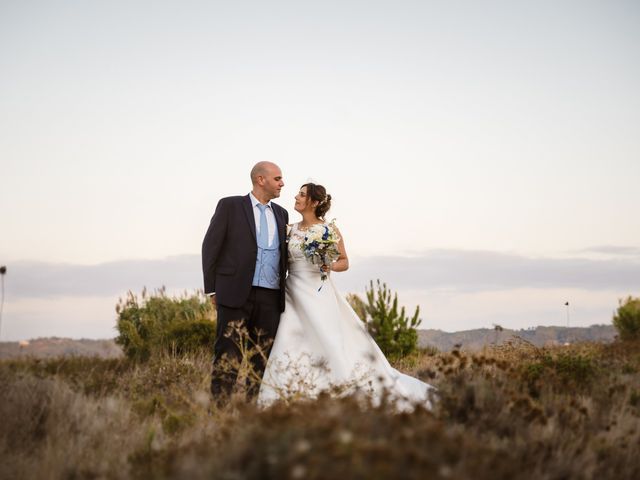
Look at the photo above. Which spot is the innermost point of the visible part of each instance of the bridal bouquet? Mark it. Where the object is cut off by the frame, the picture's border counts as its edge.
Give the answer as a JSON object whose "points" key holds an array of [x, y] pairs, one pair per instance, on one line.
{"points": [[320, 245]]}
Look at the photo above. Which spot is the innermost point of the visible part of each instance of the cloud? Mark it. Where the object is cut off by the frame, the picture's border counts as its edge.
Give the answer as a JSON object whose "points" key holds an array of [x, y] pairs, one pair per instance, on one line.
{"points": [[482, 271], [458, 270], [40, 279], [613, 250]]}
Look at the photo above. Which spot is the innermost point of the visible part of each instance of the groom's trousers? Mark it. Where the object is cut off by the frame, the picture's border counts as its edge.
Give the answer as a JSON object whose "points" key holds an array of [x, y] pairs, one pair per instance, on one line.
{"points": [[245, 333]]}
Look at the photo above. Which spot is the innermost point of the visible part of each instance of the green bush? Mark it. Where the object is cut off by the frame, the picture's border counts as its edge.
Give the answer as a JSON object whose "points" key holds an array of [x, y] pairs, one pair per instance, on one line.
{"points": [[627, 319], [158, 323], [393, 331], [565, 370]]}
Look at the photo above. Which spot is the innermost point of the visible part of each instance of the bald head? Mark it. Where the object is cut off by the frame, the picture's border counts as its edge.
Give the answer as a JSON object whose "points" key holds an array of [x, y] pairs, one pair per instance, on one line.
{"points": [[262, 169], [266, 178]]}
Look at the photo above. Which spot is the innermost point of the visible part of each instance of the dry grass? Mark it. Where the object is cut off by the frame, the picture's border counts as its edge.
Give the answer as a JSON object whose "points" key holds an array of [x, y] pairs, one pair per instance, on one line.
{"points": [[511, 412]]}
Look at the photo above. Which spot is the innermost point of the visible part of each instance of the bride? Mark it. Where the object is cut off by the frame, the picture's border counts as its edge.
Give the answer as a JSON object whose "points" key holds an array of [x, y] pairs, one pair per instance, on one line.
{"points": [[321, 344]]}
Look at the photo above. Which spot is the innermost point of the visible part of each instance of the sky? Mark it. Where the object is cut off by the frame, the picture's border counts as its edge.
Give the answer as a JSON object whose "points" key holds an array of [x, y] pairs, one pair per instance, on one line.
{"points": [[483, 157]]}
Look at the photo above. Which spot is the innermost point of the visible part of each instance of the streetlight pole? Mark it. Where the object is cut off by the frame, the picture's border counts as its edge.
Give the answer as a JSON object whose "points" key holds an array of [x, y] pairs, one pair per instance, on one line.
{"points": [[3, 270], [498, 329]]}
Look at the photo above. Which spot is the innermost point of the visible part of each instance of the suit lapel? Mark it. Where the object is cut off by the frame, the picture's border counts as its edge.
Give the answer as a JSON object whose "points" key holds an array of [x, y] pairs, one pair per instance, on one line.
{"points": [[282, 231], [279, 223], [248, 210]]}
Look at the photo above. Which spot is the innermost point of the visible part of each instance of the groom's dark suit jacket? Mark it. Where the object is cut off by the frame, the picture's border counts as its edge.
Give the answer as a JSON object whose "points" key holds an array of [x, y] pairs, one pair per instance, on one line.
{"points": [[230, 249]]}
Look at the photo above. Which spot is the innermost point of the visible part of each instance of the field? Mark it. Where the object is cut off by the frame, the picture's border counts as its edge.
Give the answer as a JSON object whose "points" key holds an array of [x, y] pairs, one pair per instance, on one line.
{"points": [[515, 411]]}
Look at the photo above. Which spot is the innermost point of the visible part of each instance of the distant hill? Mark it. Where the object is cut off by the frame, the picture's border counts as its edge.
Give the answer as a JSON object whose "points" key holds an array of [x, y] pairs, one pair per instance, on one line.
{"points": [[60, 347], [473, 340], [470, 340]]}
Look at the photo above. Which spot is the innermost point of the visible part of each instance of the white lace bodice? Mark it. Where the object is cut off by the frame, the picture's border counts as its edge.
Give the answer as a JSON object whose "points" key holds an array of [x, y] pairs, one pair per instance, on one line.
{"points": [[296, 239], [297, 260]]}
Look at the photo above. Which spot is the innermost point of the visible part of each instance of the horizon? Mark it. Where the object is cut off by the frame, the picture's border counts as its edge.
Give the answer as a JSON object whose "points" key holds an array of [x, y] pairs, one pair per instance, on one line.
{"points": [[418, 329]]}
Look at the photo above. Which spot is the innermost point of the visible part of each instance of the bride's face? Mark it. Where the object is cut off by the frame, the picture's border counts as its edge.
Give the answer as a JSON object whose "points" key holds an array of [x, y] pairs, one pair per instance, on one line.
{"points": [[303, 202]]}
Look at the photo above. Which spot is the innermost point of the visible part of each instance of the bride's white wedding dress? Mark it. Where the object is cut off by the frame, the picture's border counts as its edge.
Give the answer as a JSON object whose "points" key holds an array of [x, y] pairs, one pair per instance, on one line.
{"points": [[322, 345]]}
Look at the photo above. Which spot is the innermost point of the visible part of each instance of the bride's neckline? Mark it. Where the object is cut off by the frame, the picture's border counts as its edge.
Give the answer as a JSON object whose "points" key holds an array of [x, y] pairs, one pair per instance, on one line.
{"points": [[304, 229]]}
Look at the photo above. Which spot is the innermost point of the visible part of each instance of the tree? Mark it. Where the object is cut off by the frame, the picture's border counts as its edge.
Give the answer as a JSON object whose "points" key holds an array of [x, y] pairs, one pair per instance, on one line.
{"points": [[159, 323], [627, 319], [393, 331]]}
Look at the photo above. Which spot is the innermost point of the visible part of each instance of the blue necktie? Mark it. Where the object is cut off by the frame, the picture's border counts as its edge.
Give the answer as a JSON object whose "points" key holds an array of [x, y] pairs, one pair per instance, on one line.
{"points": [[263, 236]]}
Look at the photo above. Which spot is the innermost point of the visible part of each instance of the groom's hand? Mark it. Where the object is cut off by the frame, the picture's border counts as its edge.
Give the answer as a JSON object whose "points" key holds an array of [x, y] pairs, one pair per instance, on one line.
{"points": [[213, 300]]}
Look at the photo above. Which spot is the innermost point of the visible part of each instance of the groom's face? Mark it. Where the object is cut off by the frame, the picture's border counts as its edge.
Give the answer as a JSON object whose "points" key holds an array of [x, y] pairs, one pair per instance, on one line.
{"points": [[273, 182]]}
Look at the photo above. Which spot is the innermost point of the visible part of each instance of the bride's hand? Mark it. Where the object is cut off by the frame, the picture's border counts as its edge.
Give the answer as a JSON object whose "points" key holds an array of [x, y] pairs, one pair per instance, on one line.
{"points": [[325, 268]]}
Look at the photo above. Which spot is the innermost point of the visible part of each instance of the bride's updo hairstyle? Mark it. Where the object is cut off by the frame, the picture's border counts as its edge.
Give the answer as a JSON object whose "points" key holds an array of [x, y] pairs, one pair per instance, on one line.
{"points": [[317, 193]]}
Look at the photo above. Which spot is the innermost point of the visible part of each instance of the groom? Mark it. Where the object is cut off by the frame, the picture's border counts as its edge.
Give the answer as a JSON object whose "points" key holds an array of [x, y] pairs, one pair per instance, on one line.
{"points": [[244, 259]]}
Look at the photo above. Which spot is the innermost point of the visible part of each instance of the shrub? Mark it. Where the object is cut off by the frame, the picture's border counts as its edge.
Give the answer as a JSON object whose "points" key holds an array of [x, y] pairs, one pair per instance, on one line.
{"points": [[162, 324], [393, 331], [627, 319], [156, 420], [563, 371]]}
